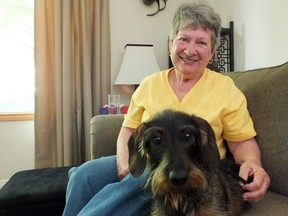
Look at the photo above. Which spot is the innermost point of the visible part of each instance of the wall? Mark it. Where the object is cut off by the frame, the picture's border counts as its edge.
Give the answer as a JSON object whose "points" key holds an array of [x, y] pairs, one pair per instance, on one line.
{"points": [[16, 148], [261, 36]]}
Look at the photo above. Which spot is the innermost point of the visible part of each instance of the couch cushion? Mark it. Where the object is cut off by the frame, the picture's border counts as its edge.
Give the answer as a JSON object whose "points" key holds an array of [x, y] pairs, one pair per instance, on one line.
{"points": [[272, 204], [266, 90], [104, 130]]}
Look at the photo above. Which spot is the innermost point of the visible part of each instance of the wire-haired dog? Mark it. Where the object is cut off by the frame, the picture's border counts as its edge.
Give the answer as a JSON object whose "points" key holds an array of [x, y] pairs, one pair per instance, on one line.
{"points": [[187, 176]]}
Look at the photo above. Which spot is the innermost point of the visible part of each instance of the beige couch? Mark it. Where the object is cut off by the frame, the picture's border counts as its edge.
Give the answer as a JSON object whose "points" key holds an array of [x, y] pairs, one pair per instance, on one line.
{"points": [[266, 90]]}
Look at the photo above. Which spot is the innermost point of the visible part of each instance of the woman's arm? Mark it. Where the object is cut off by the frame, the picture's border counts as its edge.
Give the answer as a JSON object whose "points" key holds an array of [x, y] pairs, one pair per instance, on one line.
{"points": [[247, 154], [122, 154], [245, 150]]}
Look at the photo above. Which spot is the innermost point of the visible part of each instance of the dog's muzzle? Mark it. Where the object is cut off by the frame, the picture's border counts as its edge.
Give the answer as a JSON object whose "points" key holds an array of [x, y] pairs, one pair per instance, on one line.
{"points": [[178, 178]]}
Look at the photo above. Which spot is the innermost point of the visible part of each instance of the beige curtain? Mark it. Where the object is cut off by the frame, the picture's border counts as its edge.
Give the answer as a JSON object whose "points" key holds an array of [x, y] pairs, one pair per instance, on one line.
{"points": [[72, 60]]}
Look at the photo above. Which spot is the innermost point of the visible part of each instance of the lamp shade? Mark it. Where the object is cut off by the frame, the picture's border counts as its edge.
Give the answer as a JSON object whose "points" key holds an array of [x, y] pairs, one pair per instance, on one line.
{"points": [[139, 61]]}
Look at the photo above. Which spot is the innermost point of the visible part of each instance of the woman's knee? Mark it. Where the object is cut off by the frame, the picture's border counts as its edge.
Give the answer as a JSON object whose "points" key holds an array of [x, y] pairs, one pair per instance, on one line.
{"points": [[99, 171]]}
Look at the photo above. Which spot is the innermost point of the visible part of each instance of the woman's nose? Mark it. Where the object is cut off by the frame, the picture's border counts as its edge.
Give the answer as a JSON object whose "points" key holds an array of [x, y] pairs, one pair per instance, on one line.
{"points": [[191, 49]]}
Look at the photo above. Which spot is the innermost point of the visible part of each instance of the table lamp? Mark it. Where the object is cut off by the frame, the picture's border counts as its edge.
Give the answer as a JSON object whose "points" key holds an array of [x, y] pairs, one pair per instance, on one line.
{"points": [[139, 61]]}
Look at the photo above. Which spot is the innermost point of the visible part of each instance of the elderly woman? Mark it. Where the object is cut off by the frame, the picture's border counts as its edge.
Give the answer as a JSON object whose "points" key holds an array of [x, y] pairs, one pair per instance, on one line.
{"points": [[105, 187]]}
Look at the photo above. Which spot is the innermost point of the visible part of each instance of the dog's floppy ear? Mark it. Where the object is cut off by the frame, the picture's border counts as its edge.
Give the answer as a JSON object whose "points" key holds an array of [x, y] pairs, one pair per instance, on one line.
{"points": [[208, 139], [137, 157]]}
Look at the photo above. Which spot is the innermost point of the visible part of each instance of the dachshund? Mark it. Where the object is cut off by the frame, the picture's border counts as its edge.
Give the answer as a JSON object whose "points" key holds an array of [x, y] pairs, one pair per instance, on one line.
{"points": [[186, 176]]}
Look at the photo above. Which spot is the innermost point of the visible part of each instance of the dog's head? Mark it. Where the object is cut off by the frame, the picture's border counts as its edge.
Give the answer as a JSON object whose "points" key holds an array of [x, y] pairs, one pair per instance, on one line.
{"points": [[169, 135]]}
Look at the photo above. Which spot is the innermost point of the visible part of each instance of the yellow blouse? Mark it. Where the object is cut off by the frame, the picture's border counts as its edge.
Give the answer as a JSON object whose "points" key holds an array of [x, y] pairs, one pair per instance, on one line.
{"points": [[214, 97]]}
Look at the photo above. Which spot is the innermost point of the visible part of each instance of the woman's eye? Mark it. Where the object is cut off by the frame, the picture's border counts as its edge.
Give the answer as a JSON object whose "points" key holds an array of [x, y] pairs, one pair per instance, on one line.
{"points": [[183, 39], [202, 43]]}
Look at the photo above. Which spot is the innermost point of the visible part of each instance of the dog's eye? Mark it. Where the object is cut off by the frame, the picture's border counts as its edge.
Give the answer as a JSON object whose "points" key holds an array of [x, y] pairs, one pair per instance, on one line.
{"points": [[156, 140], [188, 136]]}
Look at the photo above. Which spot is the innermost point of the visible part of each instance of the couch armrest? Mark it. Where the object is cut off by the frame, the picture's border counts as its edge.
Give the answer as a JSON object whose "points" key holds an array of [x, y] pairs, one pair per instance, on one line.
{"points": [[104, 130]]}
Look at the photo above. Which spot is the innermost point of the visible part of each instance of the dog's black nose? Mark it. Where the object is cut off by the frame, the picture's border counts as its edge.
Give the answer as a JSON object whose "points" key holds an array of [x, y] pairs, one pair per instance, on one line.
{"points": [[178, 178]]}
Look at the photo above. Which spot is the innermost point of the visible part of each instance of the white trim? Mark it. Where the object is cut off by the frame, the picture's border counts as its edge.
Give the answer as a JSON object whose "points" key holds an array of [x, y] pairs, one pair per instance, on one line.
{"points": [[2, 183]]}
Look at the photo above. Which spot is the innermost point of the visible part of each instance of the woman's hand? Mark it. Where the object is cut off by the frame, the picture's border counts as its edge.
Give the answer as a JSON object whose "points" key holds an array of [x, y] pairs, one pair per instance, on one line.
{"points": [[122, 167], [122, 155], [247, 154], [260, 181]]}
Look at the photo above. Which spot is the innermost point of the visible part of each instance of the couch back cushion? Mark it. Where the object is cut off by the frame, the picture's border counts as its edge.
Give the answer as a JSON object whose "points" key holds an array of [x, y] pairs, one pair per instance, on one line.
{"points": [[266, 90]]}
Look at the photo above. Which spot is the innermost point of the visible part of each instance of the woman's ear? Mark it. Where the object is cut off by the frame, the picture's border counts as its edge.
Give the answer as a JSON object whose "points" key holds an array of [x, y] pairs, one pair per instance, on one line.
{"points": [[170, 43]]}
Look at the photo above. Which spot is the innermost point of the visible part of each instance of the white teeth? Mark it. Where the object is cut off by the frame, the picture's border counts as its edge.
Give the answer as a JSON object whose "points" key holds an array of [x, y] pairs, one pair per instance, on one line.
{"points": [[189, 60]]}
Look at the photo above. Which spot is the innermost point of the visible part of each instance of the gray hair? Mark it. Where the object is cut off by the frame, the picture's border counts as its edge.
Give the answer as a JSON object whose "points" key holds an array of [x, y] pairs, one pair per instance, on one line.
{"points": [[192, 15]]}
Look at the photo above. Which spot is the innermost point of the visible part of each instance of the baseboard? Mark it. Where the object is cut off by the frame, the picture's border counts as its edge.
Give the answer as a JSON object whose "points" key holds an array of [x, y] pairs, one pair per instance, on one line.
{"points": [[2, 183]]}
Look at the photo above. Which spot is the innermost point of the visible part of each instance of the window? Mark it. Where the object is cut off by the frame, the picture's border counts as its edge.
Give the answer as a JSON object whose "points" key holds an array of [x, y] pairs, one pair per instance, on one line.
{"points": [[16, 56]]}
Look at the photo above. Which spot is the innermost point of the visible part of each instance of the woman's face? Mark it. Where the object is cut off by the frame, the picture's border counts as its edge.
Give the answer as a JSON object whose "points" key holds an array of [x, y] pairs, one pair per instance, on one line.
{"points": [[191, 50]]}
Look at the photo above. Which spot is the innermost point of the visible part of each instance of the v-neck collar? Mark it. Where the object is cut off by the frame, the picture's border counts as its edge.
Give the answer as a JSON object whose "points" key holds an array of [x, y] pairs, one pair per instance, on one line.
{"points": [[193, 92]]}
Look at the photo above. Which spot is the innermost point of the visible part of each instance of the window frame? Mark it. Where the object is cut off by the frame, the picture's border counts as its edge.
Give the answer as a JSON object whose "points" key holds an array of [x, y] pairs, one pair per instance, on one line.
{"points": [[16, 116]]}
